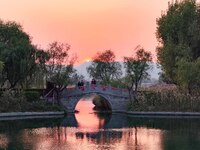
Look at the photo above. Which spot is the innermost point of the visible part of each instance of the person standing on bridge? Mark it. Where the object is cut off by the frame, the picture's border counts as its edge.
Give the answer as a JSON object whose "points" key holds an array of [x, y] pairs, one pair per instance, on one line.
{"points": [[82, 85], [79, 84], [93, 83]]}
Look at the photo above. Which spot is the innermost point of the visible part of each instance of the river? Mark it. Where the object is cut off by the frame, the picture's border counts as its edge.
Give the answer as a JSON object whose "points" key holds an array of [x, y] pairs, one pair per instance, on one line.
{"points": [[88, 130]]}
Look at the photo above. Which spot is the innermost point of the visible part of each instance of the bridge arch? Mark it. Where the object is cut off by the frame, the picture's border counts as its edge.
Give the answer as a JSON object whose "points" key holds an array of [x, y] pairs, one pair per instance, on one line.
{"points": [[106, 100]]}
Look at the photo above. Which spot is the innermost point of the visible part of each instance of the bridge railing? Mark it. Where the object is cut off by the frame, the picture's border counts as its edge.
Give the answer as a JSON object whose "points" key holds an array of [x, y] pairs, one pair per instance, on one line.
{"points": [[97, 88]]}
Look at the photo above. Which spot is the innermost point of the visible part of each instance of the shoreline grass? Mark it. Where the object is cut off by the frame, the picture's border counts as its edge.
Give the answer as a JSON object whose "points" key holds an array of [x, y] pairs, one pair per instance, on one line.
{"points": [[166, 100]]}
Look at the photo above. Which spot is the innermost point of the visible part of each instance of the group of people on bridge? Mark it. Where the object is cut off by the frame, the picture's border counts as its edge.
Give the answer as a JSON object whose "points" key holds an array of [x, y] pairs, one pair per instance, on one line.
{"points": [[81, 84]]}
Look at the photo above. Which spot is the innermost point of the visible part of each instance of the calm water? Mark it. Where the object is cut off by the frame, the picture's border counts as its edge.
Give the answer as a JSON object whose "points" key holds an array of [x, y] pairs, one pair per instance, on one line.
{"points": [[90, 131]]}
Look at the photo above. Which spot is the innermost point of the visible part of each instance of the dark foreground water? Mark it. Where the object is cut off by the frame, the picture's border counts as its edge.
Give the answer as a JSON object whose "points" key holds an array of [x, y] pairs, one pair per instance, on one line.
{"points": [[90, 131]]}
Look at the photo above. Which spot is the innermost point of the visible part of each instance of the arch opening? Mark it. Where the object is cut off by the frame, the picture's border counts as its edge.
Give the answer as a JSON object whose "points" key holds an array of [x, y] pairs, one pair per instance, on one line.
{"points": [[93, 102], [101, 103], [88, 113]]}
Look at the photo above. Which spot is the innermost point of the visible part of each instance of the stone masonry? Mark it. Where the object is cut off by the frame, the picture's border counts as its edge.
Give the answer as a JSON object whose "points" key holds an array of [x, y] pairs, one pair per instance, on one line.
{"points": [[116, 98]]}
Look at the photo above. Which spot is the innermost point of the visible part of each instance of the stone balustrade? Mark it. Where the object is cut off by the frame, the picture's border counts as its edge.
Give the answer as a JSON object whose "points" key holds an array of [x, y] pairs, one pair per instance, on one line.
{"points": [[98, 89]]}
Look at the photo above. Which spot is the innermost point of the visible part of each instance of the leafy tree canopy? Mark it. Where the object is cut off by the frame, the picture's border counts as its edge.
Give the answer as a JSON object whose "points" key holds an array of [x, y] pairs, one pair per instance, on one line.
{"points": [[60, 65], [17, 53], [60, 71], [1, 66], [104, 68], [136, 69], [178, 31]]}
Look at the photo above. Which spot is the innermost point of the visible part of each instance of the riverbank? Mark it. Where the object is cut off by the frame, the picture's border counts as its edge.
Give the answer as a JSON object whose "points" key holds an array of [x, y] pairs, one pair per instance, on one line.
{"points": [[37, 115], [152, 113], [164, 113], [143, 113], [31, 114]]}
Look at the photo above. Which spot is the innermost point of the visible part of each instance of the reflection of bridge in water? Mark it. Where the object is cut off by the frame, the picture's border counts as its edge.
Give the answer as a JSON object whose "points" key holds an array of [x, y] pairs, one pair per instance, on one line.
{"points": [[110, 121], [120, 132], [109, 130], [116, 98]]}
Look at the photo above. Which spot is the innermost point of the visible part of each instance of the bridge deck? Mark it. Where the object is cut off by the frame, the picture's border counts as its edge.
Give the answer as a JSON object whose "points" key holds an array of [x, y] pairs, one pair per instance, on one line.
{"points": [[98, 89]]}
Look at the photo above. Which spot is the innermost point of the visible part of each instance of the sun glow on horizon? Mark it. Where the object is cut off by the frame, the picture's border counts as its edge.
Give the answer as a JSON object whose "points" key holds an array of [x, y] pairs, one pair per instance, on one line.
{"points": [[89, 26], [87, 59]]}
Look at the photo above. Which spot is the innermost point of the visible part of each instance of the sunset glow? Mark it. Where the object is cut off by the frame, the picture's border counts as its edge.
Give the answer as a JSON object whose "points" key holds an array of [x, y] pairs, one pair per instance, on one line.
{"points": [[88, 59], [86, 119], [88, 25]]}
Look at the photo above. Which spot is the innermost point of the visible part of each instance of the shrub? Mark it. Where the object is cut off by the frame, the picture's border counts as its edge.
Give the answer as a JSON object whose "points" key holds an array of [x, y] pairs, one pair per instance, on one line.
{"points": [[41, 106], [1, 92], [16, 101], [32, 96], [12, 102]]}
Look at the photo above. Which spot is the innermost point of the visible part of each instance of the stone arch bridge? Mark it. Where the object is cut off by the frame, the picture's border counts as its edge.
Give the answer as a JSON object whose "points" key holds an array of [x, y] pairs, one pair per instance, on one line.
{"points": [[116, 98]]}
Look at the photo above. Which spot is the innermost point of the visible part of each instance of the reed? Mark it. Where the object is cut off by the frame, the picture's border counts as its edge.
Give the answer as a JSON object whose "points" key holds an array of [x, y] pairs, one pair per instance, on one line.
{"points": [[166, 100]]}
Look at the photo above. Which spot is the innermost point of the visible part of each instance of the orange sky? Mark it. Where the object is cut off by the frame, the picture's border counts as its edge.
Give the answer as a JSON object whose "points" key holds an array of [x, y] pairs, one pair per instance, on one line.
{"points": [[88, 25]]}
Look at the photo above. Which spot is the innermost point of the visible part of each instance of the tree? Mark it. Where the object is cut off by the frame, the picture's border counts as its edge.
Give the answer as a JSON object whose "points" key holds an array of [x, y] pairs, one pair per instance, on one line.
{"points": [[1, 68], [178, 33], [59, 67], [104, 68], [41, 58], [77, 77], [38, 78], [189, 74], [17, 53], [136, 70]]}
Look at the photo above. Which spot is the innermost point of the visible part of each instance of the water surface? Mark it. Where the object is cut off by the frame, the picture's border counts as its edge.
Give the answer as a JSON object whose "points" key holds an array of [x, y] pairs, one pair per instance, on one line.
{"points": [[92, 131]]}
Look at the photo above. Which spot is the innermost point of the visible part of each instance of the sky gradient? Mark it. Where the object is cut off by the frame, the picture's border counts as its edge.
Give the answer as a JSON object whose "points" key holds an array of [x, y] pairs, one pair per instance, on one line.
{"points": [[88, 25]]}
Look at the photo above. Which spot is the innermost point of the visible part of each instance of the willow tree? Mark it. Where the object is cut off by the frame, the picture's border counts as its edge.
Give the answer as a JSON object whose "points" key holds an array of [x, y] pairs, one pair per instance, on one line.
{"points": [[17, 53]]}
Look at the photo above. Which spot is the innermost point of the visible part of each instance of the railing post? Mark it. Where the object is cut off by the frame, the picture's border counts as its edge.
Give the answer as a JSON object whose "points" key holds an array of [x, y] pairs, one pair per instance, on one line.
{"points": [[98, 87], [87, 86]]}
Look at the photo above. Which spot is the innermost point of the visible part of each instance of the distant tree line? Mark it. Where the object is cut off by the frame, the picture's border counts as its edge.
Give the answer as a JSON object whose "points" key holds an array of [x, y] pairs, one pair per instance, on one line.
{"points": [[21, 62], [108, 71]]}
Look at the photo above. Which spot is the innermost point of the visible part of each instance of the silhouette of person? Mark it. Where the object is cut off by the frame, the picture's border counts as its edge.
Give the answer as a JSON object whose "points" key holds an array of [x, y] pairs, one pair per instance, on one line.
{"points": [[79, 84], [82, 83], [93, 82]]}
